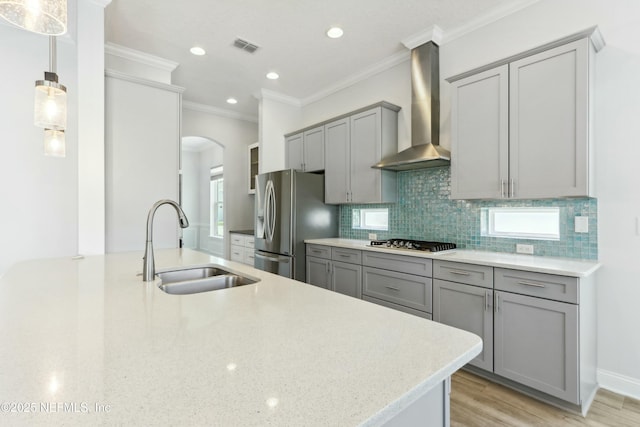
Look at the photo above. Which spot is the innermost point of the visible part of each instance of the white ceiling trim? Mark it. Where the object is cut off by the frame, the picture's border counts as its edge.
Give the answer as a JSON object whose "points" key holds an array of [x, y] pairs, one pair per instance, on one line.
{"points": [[486, 19], [208, 109], [434, 34], [140, 57], [277, 96], [377, 68], [103, 3], [151, 83]]}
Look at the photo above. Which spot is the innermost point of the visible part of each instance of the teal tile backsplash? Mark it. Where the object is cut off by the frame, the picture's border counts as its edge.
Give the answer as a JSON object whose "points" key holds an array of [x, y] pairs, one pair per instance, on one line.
{"points": [[425, 211]]}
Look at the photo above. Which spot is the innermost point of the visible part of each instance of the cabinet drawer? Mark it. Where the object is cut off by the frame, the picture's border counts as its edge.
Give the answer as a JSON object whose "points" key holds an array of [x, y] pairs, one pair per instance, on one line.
{"points": [[248, 256], [398, 307], [237, 253], [471, 274], [406, 264], [249, 242], [352, 256], [549, 286], [319, 251], [236, 239], [400, 288]]}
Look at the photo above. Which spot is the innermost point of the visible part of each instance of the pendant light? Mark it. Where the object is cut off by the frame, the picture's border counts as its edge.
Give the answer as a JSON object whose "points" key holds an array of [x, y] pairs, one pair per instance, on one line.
{"points": [[48, 17], [50, 107], [54, 143]]}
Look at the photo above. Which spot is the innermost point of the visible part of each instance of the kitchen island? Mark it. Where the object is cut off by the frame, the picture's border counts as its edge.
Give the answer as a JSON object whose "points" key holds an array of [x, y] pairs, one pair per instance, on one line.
{"points": [[86, 342]]}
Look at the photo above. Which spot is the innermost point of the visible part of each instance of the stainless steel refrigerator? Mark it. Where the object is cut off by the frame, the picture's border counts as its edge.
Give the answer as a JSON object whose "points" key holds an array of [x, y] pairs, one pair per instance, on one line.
{"points": [[289, 208]]}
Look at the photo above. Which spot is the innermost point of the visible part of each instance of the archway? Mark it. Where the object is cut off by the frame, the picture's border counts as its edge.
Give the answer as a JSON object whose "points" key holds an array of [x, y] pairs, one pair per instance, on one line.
{"points": [[202, 194]]}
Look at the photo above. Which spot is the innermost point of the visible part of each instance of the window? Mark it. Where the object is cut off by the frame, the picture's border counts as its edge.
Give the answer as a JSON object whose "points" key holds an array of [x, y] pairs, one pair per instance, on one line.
{"points": [[370, 219], [521, 223], [216, 189]]}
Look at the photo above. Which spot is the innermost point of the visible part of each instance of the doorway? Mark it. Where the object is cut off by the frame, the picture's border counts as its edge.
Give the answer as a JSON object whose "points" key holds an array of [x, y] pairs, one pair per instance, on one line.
{"points": [[202, 194]]}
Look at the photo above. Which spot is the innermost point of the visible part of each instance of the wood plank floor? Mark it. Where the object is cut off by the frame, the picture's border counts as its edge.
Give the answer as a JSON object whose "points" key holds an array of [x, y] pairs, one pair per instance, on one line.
{"points": [[476, 401]]}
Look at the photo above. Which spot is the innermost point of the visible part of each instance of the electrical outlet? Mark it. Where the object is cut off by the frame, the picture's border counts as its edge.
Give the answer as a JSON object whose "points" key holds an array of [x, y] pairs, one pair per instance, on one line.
{"points": [[524, 249], [373, 236], [582, 224]]}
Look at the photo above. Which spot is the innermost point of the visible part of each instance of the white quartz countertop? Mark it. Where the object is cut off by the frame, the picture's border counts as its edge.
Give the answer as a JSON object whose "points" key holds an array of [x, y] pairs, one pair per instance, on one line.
{"points": [[561, 266], [86, 342]]}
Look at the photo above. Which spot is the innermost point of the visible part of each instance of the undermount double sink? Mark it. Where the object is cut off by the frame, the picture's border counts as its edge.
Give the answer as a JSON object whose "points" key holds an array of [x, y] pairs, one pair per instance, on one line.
{"points": [[200, 279]]}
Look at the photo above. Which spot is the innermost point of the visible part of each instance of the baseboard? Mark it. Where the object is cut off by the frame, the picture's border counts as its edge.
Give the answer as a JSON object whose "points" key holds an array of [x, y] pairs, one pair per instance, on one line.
{"points": [[620, 384]]}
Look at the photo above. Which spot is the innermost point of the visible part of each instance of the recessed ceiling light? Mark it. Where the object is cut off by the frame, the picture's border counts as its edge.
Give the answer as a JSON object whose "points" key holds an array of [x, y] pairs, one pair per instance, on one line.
{"points": [[335, 32], [273, 76], [232, 101], [197, 51]]}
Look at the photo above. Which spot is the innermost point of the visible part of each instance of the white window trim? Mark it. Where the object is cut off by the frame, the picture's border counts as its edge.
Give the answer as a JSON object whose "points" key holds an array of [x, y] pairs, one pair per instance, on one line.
{"points": [[362, 225], [216, 175], [488, 223]]}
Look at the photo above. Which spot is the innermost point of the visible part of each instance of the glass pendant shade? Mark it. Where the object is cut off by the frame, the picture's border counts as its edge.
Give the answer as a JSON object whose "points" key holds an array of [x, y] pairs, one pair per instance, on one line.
{"points": [[50, 109], [47, 17], [54, 143]]}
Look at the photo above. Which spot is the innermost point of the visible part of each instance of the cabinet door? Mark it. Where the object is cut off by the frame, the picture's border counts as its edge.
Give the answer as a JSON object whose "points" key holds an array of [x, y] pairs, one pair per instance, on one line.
{"points": [[366, 183], [469, 308], [319, 272], [314, 149], [536, 344], [336, 171], [347, 279], [480, 135], [549, 114], [294, 152]]}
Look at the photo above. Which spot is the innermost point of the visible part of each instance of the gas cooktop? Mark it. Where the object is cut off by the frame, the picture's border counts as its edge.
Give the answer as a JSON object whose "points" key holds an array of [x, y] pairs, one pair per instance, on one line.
{"points": [[418, 245]]}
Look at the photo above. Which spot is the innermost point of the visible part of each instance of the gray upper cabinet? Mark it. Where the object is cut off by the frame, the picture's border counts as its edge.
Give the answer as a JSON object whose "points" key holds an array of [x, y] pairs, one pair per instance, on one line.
{"points": [[353, 145], [294, 152], [521, 129], [480, 135], [305, 150], [536, 344], [337, 169], [549, 127]]}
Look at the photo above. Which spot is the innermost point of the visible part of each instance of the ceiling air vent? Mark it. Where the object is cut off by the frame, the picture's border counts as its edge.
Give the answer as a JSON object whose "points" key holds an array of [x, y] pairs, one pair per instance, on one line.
{"points": [[245, 45]]}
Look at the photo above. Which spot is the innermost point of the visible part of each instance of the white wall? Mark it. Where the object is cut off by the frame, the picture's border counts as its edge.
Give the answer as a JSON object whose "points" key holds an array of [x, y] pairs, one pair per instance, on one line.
{"points": [[39, 214], [277, 118], [190, 196], [617, 132], [235, 135]]}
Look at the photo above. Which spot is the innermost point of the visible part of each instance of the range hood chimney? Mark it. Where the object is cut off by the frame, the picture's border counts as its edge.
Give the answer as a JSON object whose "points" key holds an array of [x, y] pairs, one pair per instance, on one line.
{"points": [[425, 150]]}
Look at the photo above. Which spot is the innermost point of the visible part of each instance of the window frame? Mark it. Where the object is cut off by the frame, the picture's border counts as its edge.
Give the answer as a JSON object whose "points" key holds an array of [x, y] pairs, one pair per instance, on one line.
{"points": [[488, 223], [216, 184], [358, 219]]}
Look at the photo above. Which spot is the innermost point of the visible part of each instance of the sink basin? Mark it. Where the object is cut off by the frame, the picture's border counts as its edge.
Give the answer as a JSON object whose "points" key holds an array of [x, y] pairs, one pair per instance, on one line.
{"points": [[200, 279]]}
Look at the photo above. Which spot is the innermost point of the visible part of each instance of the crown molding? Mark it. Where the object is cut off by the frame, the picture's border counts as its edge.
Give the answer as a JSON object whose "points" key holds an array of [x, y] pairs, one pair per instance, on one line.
{"points": [[277, 96], [140, 57], [151, 83], [433, 34], [377, 68], [103, 3], [208, 109], [490, 17]]}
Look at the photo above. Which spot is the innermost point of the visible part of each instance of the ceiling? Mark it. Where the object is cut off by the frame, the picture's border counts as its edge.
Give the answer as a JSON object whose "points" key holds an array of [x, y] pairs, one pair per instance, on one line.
{"points": [[290, 34]]}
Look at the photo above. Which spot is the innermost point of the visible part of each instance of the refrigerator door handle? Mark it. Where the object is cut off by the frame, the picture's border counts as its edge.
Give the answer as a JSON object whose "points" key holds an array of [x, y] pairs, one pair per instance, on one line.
{"points": [[269, 210], [276, 258]]}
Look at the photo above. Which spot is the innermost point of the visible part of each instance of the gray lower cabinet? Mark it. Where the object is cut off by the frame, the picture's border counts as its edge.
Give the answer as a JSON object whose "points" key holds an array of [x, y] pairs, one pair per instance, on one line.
{"points": [[336, 269], [536, 344], [469, 308], [346, 279], [538, 329], [319, 272]]}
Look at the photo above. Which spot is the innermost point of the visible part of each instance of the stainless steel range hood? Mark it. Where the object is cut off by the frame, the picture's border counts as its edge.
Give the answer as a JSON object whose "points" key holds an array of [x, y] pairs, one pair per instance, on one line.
{"points": [[425, 150]]}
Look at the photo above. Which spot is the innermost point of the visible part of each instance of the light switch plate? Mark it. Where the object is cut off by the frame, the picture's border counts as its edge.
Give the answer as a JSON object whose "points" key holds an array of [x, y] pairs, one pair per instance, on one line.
{"points": [[524, 249], [582, 224], [373, 236]]}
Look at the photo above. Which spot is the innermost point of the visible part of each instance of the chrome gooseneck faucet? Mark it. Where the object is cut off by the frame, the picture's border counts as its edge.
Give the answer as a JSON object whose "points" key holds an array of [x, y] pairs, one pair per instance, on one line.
{"points": [[148, 267]]}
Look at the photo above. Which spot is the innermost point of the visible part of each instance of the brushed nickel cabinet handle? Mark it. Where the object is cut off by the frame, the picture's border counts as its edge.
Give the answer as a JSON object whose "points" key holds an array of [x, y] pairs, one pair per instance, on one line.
{"points": [[460, 273], [502, 188], [537, 285], [392, 288], [486, 301], [497, 302], [511, 184]]}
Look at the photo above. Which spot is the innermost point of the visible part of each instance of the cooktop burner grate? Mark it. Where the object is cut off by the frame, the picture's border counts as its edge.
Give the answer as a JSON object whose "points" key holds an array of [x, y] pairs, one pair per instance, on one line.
{"points": [[419, 245]]}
